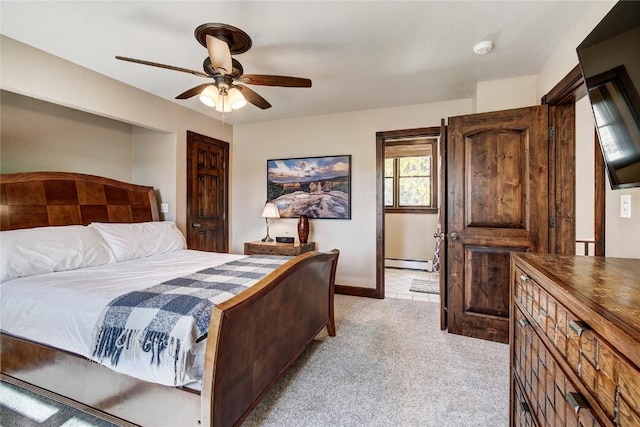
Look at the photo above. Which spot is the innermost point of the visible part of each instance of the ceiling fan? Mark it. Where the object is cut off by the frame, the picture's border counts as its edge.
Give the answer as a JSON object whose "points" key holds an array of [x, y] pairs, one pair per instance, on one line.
{"points": [[226, 92]]}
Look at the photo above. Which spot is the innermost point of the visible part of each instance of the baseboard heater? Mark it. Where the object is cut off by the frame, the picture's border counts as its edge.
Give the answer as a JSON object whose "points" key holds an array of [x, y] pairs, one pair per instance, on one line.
{"points": [[408, 264]]}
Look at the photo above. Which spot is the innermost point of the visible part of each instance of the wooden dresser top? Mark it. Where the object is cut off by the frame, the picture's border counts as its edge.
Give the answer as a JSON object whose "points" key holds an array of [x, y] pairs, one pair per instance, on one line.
{"points": [[608, 286]]}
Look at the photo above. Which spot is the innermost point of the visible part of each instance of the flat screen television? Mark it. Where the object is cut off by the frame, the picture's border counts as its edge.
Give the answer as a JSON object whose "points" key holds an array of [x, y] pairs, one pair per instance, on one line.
{"points": [[610, 62]]}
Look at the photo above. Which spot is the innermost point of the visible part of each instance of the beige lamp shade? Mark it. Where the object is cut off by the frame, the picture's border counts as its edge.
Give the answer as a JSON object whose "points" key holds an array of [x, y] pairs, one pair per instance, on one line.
{"points": [[270, 211], [209, 96]]}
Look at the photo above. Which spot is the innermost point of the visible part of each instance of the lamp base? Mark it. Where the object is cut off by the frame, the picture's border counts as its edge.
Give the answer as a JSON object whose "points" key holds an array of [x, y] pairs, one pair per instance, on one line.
{"points": [[267, 239]]}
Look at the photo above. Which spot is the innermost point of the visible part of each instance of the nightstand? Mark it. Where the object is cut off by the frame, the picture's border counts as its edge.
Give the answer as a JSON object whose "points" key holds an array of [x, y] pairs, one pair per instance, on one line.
{"points": [[274, 248]]}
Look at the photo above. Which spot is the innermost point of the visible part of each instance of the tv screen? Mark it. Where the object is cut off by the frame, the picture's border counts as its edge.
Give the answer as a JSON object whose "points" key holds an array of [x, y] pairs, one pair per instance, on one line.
{"points": [[610, 62]]}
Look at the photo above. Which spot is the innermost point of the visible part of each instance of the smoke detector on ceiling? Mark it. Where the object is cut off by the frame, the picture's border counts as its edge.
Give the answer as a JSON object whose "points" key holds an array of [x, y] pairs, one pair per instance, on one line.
{"points": [[483, 48]]}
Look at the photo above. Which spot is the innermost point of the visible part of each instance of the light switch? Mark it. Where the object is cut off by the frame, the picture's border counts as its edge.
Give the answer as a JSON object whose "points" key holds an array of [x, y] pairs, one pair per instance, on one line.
{"points": [[625, 206], [164, 207]]}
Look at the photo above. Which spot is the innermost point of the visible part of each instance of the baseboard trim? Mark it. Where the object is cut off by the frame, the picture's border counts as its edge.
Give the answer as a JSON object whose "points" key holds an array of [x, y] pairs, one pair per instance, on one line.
{"points": [[408, 264], [356, 291]]}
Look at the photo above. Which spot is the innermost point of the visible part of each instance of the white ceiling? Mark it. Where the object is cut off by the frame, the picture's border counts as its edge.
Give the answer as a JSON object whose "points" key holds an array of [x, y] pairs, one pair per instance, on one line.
{"points": [[359, 54]]}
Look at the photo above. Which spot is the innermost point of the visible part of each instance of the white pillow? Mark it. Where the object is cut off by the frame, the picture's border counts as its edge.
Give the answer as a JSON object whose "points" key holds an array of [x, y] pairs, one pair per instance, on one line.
{"points": [[47, 249], [142, 239]]}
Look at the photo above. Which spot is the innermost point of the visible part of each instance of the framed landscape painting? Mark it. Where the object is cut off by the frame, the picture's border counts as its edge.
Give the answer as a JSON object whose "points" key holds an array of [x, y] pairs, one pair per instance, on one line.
{"points": [[319, 187]]}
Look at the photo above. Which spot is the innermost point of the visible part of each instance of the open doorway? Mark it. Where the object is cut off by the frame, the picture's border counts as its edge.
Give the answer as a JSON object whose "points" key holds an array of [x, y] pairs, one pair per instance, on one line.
{"points": [[409, 166]]}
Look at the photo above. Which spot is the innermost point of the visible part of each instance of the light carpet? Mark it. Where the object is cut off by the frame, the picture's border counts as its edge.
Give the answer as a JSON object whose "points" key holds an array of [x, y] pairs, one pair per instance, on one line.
{"points": [[389, 365]]}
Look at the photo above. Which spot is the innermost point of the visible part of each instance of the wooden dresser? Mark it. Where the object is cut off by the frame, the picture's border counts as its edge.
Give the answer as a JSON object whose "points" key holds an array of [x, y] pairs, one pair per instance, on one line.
{"points": [[575, 341]]}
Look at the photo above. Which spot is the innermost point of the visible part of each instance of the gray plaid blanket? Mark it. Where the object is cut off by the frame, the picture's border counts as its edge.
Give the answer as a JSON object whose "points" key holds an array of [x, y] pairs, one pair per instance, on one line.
{"points": [[175, 314]]}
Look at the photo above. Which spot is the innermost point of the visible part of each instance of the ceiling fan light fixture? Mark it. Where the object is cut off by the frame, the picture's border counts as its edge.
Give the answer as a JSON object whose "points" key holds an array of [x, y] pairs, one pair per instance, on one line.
{"points": [[224, 106], [209, 96], [236, 99], [222, 103], [222, 41]]}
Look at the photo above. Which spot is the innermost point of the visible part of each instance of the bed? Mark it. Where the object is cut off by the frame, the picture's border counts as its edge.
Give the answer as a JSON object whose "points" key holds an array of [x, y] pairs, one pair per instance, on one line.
{"points": [[252, 338]]}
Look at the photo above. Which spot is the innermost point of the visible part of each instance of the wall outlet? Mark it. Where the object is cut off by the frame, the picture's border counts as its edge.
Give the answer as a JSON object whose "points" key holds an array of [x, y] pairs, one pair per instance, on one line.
{"points": [[164, 207], [625, 206]]}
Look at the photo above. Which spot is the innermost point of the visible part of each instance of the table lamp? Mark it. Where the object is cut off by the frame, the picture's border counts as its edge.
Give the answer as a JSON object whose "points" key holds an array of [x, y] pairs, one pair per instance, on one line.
{"points": [[270, 211]]}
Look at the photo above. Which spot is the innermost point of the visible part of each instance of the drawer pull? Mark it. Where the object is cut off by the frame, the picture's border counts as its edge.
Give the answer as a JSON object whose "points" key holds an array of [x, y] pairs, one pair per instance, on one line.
{"points": [[523, 322], [579, 326], [524, 277], [577, 401], [524, 407]]}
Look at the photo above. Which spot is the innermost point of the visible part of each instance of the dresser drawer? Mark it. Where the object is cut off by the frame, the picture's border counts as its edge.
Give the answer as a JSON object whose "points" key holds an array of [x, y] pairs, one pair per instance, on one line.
{"points": [[522, 416], [550, 396], [612, 381]]}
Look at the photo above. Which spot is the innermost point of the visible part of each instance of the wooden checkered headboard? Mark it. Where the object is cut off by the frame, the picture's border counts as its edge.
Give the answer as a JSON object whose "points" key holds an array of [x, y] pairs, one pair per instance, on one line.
{"points": [[39, 199]]}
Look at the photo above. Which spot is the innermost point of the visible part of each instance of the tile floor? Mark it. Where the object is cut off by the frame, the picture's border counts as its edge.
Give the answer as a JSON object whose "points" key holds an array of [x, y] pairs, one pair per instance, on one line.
{"points": [[397, 283]]}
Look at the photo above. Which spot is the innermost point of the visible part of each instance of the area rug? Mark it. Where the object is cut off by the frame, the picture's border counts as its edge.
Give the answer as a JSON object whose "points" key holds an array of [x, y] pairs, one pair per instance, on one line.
{"points": [[426, 286]]}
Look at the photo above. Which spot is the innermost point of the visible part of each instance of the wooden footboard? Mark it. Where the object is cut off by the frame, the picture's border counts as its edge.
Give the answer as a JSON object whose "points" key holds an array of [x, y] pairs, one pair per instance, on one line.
{"points": [[262, 332], [253, 338]]}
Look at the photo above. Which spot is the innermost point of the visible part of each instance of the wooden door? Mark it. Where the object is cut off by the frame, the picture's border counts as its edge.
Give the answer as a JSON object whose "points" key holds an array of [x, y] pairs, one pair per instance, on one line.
{"points": [[442, 220], [207, 193], [497, 188]]}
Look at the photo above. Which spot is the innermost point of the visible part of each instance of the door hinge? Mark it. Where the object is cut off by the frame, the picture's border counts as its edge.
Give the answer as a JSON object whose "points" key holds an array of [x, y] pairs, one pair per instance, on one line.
{"points": [[552, 132], [552, 222]]}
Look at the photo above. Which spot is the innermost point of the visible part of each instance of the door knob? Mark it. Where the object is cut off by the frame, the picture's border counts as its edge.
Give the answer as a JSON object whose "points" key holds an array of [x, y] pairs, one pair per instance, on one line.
{"points": [[454, 236], [196, 225], [438, 235]]}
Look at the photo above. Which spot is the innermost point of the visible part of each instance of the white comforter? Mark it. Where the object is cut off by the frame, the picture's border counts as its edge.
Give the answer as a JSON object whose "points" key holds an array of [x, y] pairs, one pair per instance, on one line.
{"points": [[61, 309]]}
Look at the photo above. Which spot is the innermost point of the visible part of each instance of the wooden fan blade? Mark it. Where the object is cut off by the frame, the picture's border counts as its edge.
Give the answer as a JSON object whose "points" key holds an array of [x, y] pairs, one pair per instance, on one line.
{"points": [[194, 91], [253, 97], [168, 67], [265, 80]]}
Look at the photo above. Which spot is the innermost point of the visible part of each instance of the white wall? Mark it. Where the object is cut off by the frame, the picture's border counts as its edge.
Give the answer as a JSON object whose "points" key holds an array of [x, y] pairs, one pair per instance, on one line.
{"points": [[495, 95], [410, 236], [154, 161], [70, 85], [350, 133], [621, 233], [40, 136], [585, 171]]}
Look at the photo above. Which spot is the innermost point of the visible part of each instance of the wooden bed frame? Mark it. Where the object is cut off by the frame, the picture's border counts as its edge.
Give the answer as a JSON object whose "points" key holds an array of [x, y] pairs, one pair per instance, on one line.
{"points": [[253, 337]]}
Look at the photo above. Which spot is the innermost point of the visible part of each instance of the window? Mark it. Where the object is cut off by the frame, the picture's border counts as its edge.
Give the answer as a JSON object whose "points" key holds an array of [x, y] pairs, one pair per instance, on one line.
{"points": [[411, 176]]}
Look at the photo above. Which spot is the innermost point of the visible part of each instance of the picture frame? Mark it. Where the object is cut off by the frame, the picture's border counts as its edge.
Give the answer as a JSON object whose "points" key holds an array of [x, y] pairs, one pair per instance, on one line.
{"points": [[319, 187]]}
